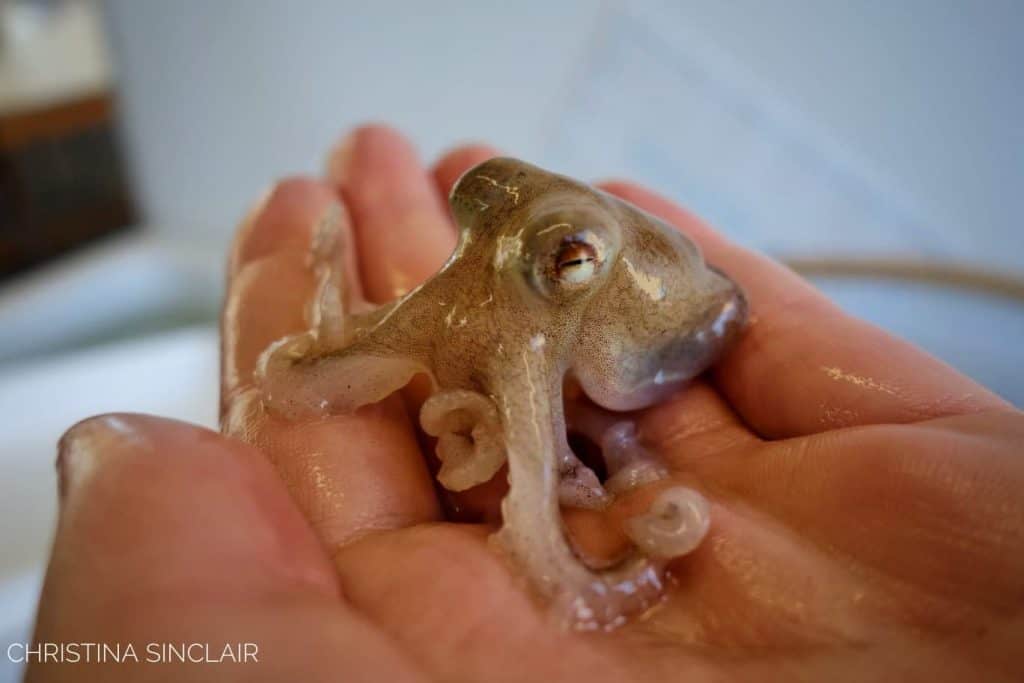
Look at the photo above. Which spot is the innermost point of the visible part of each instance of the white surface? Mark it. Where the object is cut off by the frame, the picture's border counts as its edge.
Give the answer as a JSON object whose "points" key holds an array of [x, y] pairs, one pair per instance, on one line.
{"points": [[18, 595], [174, 375], [93, 293]]}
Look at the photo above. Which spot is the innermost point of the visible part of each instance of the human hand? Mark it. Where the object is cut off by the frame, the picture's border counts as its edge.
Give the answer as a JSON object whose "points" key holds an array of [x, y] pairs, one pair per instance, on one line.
{"points": [[867, 521]]}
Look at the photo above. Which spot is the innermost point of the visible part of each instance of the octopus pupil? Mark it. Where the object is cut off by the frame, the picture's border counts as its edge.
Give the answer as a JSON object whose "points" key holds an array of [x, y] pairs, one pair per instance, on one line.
{"points": [[670, 512], [574, 255]]}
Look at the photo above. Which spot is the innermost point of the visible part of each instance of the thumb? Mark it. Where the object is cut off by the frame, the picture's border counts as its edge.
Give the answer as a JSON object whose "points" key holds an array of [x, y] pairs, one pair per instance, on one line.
{"points": [[172, 535]]}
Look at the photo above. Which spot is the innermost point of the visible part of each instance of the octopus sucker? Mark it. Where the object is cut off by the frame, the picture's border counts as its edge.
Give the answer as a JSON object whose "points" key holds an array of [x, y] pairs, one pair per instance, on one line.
{"points": [[678, 520], [568, 274]]}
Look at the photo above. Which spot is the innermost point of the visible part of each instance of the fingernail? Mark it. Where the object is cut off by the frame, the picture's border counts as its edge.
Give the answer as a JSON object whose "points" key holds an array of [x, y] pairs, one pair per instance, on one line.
{"points": [[80, 449]]}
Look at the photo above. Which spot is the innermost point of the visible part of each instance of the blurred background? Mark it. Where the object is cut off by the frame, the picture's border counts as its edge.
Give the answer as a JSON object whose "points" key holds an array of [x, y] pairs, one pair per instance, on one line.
{"points": [[876, 146]]}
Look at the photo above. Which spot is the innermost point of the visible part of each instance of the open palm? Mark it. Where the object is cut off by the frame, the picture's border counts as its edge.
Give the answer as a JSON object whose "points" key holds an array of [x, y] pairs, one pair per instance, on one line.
{"points": [[867, 522]]}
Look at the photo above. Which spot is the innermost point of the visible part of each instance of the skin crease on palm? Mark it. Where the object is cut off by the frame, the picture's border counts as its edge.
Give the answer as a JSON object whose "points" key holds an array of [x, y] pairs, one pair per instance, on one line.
{"points": [[866, 516]]}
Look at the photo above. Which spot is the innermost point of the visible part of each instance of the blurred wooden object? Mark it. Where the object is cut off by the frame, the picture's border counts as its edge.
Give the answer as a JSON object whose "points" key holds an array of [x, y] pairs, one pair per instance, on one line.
{"points": [[61, 177], [61, 181]]}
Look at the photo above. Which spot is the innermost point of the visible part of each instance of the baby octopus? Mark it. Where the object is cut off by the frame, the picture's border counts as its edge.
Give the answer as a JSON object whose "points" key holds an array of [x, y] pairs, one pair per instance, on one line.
{"points": [[553, 284]]}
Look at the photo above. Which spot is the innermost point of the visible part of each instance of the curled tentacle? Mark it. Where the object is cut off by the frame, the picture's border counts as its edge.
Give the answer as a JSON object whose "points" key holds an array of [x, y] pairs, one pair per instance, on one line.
{"points": [[469, 441], [675, 525]]}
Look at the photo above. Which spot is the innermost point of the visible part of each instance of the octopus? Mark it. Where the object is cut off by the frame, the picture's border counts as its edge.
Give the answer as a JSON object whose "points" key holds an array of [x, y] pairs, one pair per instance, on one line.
{"points": [[553, 284]]}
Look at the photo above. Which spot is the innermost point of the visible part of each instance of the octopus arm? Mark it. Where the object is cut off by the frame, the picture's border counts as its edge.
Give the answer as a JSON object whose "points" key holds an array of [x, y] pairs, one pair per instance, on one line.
{"points": [[533, 534]]}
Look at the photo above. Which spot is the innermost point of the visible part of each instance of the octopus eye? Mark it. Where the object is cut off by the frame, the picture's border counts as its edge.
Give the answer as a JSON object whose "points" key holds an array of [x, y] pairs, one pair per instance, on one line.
{"points": [[563, 260], [576, 262]]}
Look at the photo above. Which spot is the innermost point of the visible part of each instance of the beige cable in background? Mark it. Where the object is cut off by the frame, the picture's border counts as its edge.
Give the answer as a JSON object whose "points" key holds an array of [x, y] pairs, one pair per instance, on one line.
{"points": [[927, 272]]}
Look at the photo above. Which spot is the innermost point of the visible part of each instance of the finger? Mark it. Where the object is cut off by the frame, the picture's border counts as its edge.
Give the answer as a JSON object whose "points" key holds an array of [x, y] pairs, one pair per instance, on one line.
{"points": [[689, 426], [401, 225], [170, 533], [417, 571], [450, 167], [269, 279], [692, 424], [804, 366], [283, 220], [925, 505], [350, 474]]}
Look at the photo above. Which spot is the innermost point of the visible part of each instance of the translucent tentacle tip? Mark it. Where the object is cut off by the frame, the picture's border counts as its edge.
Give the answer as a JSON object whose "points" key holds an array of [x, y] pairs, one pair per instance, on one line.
{"points": [[675, 524]]}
